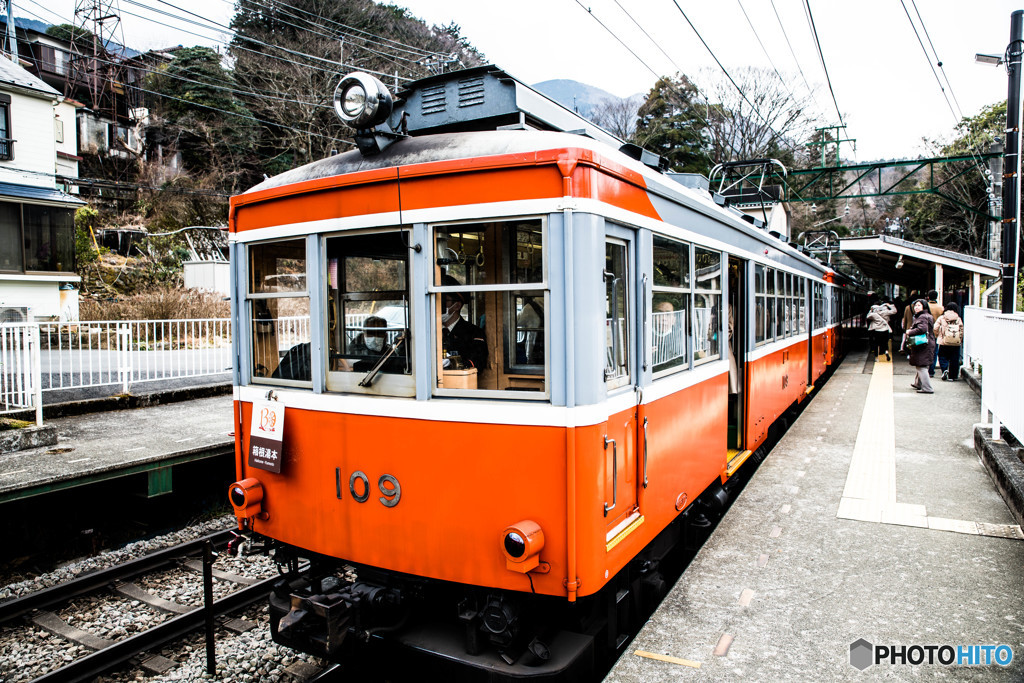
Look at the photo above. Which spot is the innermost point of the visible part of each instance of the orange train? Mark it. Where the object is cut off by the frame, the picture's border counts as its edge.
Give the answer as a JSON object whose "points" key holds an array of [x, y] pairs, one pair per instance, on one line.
{"points": [[488, 368]]}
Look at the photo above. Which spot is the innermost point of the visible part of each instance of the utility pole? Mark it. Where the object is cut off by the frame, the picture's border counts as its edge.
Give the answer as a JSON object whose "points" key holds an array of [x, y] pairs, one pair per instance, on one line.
{"points": [[1011, 166], [12, 40]]}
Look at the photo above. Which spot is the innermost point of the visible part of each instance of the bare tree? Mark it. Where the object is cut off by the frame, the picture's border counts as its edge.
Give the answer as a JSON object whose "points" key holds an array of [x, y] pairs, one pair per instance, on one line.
{"points": [[766, 120], [618, 115]]}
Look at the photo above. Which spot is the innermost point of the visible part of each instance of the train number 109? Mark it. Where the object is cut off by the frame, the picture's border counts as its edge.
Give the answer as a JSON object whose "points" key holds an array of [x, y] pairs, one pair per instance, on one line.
{"points": [[359, 487]]}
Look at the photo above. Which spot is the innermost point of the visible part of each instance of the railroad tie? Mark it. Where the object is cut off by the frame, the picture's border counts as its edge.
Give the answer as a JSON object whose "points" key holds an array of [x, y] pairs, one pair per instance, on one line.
{"points": [[197, 566], [50, 622], [135, 592]]}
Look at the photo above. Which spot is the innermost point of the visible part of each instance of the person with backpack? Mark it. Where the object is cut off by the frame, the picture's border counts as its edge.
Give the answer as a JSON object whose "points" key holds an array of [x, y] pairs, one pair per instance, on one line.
{"points": [[949, 334]]}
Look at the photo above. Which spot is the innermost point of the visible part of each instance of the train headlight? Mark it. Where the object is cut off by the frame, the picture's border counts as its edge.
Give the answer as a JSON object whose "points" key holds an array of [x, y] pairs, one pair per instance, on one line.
{"points": [[522, 543], [362, 101], [246, 498]]}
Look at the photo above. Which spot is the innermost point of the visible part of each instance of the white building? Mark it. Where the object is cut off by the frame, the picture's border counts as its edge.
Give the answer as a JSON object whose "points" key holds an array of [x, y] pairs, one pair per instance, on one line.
{"points": [[37, 226]]}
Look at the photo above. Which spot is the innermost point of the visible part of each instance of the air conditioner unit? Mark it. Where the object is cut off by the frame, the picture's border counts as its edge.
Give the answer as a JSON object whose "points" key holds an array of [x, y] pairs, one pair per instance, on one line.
{"points": [[14, 314]]}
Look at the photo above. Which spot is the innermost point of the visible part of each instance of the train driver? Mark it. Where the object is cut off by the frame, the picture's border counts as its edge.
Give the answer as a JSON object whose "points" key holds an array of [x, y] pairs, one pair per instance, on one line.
{"points": [[459, 336]]}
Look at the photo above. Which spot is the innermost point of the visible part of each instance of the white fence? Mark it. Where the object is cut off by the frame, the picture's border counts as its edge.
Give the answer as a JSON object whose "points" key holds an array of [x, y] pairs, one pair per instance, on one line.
{"points": [[993, 343], [20, 386], [96, 353]]}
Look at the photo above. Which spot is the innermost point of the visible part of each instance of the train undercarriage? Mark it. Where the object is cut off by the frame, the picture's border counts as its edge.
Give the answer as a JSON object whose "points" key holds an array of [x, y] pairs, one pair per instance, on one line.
{"points": [[387, 626]]}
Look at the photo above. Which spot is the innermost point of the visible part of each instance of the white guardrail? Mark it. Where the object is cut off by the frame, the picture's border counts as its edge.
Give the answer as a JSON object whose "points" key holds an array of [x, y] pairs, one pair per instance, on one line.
{"points": [[102, 352], [992, 346], [20, 386]]}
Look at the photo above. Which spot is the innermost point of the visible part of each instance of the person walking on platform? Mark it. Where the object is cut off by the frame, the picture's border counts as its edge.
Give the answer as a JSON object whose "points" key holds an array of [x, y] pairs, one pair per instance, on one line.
{"points": [[921, 342], [879, 328], [935, 308], [908, 319], [949, 334]]}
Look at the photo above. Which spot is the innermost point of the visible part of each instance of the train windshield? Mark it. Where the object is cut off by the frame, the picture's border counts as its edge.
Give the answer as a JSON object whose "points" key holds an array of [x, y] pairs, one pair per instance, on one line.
{"points": [[368, 313], [278, 301]]}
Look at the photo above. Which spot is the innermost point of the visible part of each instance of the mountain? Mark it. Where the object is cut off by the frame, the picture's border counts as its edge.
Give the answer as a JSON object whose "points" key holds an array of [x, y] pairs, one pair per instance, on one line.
{"points": [[574, 95]]}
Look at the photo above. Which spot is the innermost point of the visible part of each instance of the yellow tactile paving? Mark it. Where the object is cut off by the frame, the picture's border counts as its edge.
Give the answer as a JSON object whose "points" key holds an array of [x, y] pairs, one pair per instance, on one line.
{"points": [[870, 491]]}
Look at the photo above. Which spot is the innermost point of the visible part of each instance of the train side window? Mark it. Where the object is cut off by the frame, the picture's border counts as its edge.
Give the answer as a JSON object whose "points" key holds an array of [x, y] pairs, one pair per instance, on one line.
{"points": [[780, 307], [368, 313], [490, 307], [769, 327], [278, 302], [616, 328], [760, 305], [802, 305], [670, 304], [707, 301]]}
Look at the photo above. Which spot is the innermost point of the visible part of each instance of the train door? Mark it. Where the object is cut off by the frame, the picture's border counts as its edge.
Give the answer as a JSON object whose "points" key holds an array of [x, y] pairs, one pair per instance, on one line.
{"points": [[621, 476], [738, 307]]}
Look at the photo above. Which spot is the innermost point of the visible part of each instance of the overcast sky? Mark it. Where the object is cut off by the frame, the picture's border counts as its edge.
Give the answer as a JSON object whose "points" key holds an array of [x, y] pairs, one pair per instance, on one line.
{"points": [[883, 84]]}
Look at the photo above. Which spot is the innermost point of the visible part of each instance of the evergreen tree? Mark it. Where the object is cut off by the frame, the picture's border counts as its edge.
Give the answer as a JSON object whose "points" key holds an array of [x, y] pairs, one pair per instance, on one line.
{"points": [[669, 123]]}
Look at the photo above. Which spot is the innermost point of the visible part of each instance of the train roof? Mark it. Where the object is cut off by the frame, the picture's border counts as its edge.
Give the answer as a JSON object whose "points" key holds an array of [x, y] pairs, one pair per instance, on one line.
{"points": [[474, 146]]}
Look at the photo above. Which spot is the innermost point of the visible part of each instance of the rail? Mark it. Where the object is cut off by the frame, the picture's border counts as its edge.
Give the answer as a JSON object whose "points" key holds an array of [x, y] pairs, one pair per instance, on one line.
{"points": [[20, 381], [992, 343]]}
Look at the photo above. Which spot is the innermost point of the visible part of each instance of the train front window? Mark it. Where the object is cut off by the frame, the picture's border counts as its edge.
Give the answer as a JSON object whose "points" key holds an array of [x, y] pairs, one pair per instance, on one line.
{"points": [[489, 306], [369, 340], [278, 302]]}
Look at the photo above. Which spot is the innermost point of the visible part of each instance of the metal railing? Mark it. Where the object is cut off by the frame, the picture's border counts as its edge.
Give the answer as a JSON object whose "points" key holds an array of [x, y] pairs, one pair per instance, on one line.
{"points": [[96, 353], [20, 385], [992, 344]]}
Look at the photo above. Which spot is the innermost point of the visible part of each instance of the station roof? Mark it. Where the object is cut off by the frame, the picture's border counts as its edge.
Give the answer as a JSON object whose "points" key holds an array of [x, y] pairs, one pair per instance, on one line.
{"points": [[878, 255]]}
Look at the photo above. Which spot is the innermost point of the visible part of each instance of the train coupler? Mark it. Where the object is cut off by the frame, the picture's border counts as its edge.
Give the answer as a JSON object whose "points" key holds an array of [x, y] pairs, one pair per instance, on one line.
{"points": [[316, 616]]}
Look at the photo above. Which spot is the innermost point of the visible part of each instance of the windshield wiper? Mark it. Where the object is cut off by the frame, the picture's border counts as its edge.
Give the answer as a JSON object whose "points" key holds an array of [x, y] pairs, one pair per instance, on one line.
{"points": [[387, 353]]}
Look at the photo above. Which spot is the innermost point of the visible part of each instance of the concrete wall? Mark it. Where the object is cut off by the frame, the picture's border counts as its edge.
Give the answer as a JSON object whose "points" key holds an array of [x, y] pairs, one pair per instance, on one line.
{"points": [[42, 297], [64, 119]]}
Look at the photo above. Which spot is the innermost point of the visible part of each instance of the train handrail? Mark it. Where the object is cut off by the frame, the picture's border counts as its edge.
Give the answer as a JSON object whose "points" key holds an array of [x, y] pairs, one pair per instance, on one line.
{"points": [[615, 474]]}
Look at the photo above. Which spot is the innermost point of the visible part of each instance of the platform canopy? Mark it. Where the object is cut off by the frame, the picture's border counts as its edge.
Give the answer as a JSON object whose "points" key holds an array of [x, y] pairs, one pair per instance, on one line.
{"points": [[917, 266]]}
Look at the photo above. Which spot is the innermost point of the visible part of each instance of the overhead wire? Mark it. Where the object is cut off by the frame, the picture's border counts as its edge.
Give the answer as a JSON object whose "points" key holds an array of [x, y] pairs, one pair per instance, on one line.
{"points": [[212, 82], [725, 71], [821, 56], [229, 112], [796, 61], [679, 69], [765, 50], [957, 112], [411, 49], [640, 59]]}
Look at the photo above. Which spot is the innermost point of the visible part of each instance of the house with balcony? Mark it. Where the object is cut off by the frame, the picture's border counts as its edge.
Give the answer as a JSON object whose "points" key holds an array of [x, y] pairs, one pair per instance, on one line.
{"points": [[37, 224]]}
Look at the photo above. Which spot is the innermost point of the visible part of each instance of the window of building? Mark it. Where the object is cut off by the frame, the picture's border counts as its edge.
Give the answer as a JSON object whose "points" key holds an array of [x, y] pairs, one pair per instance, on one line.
{"points": [[670, 304], [49, 238], [369, 338], [278, 300], [11, 243], [707, 301], [490, 307], [6, 141]]}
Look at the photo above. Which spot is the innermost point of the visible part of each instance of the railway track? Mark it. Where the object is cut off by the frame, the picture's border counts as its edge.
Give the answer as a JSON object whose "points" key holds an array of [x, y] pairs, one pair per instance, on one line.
{"points": [[126, 581]]}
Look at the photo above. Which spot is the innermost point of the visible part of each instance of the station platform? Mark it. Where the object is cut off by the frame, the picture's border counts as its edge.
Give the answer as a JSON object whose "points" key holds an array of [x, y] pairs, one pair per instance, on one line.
{"points": [[872, 520], [99, 446]]}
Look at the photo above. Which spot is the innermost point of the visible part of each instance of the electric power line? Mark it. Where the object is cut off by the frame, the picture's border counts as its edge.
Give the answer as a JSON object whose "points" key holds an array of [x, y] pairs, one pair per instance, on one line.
{"points": [[796, 61], [821, 56]]}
